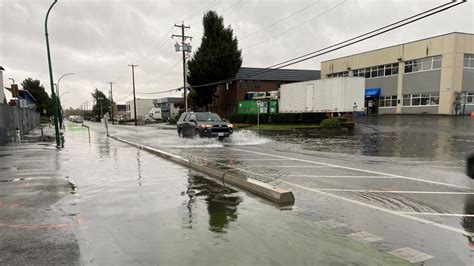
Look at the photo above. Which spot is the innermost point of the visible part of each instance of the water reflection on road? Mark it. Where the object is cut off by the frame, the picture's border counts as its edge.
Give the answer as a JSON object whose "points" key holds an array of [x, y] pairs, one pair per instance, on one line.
{"points": [[221, 202], [427, 137]]}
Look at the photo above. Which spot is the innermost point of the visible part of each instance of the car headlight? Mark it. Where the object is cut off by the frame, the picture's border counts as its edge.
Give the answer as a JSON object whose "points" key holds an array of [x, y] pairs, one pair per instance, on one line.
{"points": [[206, 126], [231, 125]]}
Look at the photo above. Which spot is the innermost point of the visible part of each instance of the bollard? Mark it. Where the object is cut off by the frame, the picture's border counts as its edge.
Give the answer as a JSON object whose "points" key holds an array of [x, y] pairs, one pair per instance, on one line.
{"points": [[89, 131], [470, 166], [18, 135]]}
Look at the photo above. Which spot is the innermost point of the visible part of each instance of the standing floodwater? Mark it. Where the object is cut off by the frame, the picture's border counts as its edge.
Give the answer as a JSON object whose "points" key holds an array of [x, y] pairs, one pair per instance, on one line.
{"points": [[444, 138]]}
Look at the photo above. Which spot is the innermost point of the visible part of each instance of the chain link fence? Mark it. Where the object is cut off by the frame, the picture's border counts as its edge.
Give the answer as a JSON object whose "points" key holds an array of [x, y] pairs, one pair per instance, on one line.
{"points": [[12, 117]]}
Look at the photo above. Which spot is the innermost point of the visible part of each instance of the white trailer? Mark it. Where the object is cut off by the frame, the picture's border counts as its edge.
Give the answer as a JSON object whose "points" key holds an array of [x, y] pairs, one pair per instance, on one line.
{"points": [[343, 94]]}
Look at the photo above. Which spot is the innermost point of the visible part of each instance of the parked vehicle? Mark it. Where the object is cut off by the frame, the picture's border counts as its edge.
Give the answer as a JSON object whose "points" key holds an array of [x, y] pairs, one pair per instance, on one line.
{"points": [[203, 124], [78, 119], [345, 94], [156, 114], [148, 119]]}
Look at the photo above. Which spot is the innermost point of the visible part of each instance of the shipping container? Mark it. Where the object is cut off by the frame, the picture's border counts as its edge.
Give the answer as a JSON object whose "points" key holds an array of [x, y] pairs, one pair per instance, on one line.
{"points": [[343, 94]]}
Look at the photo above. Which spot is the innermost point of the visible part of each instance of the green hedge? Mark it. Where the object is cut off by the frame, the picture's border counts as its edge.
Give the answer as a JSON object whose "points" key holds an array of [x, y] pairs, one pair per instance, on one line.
{"points": [[238, 118], [279, 118], [285, 118], [330, 122], [312, 118]]}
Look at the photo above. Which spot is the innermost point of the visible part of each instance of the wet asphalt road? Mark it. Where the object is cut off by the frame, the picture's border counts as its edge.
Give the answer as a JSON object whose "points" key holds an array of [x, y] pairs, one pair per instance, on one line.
{"points": [[399, 183], [133, 208]]}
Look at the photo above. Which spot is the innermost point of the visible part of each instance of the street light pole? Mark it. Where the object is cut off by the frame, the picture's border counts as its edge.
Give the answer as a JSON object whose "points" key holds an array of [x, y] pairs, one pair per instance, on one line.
{"points": [[60, 108], [57, 84], [53, 95]]}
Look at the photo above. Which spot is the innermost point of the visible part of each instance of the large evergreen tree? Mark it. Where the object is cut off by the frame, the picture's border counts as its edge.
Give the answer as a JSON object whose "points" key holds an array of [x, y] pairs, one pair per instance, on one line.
{"points": [[217, 58], [43, 101], [100, 101]]}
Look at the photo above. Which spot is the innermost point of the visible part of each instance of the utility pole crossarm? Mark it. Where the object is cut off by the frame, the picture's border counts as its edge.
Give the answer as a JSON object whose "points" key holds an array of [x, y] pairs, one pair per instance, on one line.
{"points": [[183, 49]]}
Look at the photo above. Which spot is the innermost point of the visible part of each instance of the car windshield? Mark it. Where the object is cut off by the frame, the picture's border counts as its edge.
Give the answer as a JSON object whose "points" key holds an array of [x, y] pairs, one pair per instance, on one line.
{"points": [[207, 117]]}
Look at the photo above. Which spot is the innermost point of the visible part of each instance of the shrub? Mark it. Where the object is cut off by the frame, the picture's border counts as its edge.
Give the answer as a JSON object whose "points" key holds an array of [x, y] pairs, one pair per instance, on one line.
{"points": [[252, 119], [238, 118], [285, 118], [330, 122], [312, 118]]}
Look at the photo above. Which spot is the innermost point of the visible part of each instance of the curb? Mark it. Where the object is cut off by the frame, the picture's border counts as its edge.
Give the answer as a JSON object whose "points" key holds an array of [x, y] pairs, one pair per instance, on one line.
{"points": [[279, 196]]}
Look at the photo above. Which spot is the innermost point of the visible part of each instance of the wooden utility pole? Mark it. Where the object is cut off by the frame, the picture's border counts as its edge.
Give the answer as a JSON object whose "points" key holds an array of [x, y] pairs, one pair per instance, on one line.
{"points": [[134, 98], [184, 48], [111, 102]]}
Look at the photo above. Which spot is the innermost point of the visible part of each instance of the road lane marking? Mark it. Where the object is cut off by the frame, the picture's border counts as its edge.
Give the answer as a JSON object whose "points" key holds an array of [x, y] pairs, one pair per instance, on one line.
{"points": [[439, 214], [410, 255], [356, 169], [364, 237], [331, 224], [246, 159], [446, 227], [345, 176], [397, 191], [292, 166], [33, 226]]}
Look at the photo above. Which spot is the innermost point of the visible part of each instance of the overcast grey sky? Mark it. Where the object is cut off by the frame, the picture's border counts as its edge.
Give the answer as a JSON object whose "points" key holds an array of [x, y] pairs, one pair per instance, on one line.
{"points": [[97, 39]]}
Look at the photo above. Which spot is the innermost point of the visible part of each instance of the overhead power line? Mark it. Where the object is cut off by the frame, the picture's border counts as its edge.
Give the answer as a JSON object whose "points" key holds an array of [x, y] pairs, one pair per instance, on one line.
{"points": [[279, 34], [281, 20], [360, 38]]}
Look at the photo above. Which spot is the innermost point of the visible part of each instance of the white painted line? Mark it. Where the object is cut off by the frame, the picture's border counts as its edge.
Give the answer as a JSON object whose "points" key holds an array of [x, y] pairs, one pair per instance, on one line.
{"points": [[449, 228], [292, 166], [410, 255], [345, 176], [439, 214], [397, 191], [356, 169], [246, 159], [331, 224], [365, 237], [232, 167]]}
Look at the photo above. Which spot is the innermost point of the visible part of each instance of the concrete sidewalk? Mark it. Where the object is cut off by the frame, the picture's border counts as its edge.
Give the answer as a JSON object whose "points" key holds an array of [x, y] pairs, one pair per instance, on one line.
{"points": [[44, 132], [33, 230]]}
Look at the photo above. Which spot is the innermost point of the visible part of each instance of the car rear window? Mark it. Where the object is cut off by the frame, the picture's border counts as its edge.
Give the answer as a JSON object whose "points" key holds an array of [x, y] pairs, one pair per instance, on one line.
{"points": [[208, 117]]}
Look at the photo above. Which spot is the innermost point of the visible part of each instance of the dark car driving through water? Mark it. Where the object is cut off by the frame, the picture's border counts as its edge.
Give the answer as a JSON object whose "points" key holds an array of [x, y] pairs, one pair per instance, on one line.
{"points": [[203, 124]]}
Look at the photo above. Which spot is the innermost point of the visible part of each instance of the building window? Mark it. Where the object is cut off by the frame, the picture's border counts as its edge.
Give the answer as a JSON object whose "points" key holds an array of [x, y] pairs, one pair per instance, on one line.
{"points": [[388, 101], [377, 71], [256, 83], [470, 98], [468, 61], [423, 99], [339, 74], [243, 84], [423, 64]]}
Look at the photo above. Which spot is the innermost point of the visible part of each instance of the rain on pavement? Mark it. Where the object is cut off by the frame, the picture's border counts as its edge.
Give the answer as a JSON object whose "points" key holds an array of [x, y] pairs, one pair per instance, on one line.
{"points": [[399, 179], [132, 207]]}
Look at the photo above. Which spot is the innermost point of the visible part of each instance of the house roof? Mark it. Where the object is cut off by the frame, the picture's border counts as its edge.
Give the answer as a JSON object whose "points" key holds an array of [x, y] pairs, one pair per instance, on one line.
{"points": [[255, 73], [26, 95]]}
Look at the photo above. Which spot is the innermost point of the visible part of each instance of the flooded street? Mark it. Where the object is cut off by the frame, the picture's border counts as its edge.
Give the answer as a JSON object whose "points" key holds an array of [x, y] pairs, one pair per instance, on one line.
{"points": [[132, 207], [388, 188], [440, 138]]}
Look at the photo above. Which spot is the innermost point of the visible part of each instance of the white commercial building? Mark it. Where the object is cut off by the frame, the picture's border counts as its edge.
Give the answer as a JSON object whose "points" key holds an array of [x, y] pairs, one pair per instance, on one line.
{"points": [[143, 107], [433, 75]]}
